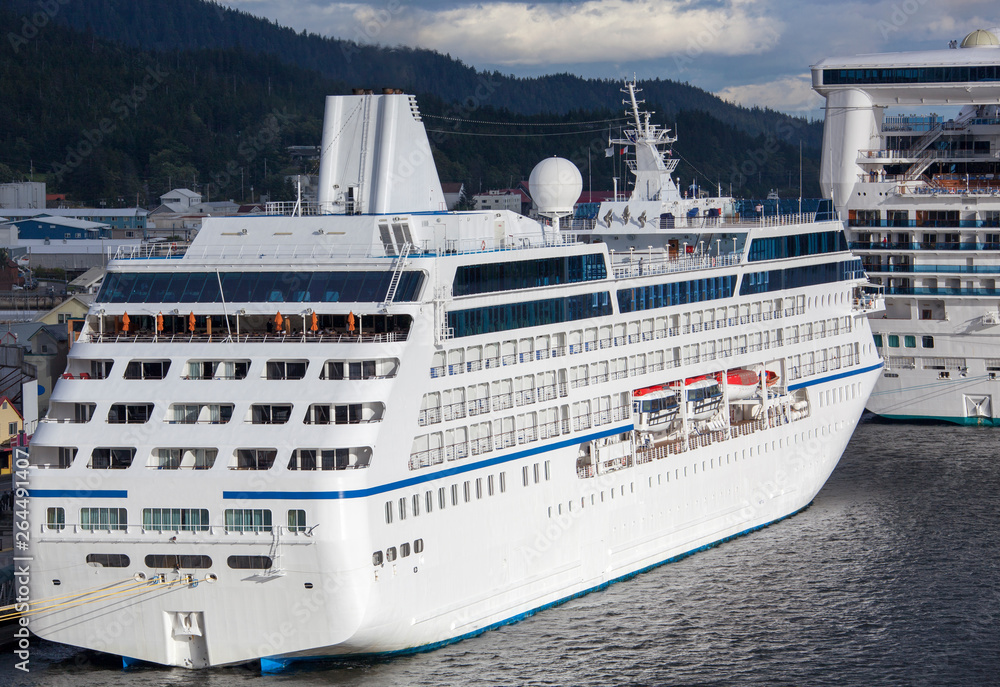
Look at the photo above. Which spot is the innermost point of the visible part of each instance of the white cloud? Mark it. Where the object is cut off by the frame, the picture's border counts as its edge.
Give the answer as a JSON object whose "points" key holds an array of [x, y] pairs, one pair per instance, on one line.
{"points": [[721, 45], [509, 32], [517, 33], [793, 94]]}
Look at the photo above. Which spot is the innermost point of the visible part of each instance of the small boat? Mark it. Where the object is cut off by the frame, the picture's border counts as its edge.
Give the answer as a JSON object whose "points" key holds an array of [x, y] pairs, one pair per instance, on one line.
{"points": [[655, 407], [704, 398], [743, 383]]}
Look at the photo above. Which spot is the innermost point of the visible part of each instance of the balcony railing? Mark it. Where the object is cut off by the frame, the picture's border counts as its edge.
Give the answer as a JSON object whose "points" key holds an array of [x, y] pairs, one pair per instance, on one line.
{"points": [[923, 245], [925, 223], [939, 291]]}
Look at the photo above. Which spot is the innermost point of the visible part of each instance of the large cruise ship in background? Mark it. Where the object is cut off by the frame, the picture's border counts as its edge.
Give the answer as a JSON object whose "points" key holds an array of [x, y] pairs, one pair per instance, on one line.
{"points": [[375, 426], [921, 195]]}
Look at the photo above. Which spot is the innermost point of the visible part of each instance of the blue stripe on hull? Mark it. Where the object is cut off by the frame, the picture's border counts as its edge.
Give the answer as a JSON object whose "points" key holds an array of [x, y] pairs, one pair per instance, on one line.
{"points": [[423, 479], [832, 378], [78, 493], [272, 664], [402, 484]]}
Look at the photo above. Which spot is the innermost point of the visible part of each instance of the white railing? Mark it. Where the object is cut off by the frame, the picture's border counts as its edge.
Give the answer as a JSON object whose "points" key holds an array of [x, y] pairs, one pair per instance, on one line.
{"points": [[640, 264]]}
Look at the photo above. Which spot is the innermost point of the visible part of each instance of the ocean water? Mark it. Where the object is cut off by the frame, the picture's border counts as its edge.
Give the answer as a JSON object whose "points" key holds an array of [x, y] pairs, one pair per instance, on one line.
{"points": [[890, 577]]}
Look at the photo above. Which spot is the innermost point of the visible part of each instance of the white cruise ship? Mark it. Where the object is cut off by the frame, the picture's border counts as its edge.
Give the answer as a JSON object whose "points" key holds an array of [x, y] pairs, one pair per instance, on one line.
{"points": [[921, 195], [376, 426]]}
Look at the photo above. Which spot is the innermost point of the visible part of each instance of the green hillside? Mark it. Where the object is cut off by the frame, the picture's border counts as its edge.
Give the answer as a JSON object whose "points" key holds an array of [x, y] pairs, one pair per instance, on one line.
{"points": [[215, 97]]}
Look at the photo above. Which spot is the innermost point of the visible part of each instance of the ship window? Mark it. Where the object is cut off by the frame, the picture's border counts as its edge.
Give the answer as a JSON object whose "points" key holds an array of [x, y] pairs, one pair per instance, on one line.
{"points": [[111, 458], [416, 505], [103, 519], [893, 341], [182, 458], [429, 501], [217, 369], [441, 498], [191, 414], [388, 512], [249, 562], [55, 518], [360, 369], [402, 508], [676, 293], [548, 474], [259, 287], [254, 458], [498, 318], [467, 491], [910, 341], [797, 245], [147, 369], [100, 369], [454, 494], [524, 475], [927, 342], [296, 520], [878, 340], [489, 485], [175, 519], [418, 546], [265, 414], [377, 558], [171, 560], [66, 455], [537, 477], [404, 550], [479, 487], [130, 414], [503, 482], [248, 520], [390, 554], [318, 414], [108, 560], [526, 274], [347, 414], [286, 369], [796, 277]]}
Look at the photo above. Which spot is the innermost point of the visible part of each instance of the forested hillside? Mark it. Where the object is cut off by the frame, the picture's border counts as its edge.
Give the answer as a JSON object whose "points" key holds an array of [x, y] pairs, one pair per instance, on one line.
{"points": [[115, 101]]}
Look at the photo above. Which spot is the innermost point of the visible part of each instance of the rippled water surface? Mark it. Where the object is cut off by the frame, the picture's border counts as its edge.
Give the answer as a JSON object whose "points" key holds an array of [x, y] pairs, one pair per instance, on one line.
{"points": [[889, 578]]}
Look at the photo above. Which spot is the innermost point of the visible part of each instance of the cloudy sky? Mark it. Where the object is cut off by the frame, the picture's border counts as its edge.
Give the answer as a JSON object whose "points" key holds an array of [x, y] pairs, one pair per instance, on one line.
{"points": [[747, 51]]}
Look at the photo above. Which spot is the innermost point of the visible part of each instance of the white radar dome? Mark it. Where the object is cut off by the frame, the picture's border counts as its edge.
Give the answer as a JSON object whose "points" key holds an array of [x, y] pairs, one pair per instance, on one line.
{"points": [[555, 185]]}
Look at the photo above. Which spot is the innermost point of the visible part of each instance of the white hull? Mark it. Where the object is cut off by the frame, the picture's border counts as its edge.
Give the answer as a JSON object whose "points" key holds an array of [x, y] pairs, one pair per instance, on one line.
{"points": [[956, 381], [483, 461], [921, 197]]}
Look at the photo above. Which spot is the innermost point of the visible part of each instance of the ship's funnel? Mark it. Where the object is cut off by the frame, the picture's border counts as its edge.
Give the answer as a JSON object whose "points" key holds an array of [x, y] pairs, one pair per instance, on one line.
{"points": [[376, 158]]}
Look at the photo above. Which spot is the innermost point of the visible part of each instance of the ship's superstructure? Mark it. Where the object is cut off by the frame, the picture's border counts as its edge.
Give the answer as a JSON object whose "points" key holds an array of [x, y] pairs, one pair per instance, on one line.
{"points": [[921, 196], [378, 430]]}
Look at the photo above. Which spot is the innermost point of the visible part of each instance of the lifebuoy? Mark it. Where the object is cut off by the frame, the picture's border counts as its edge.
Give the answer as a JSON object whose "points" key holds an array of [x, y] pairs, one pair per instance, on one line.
{"points": [[483, 247], [173, 245]]}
